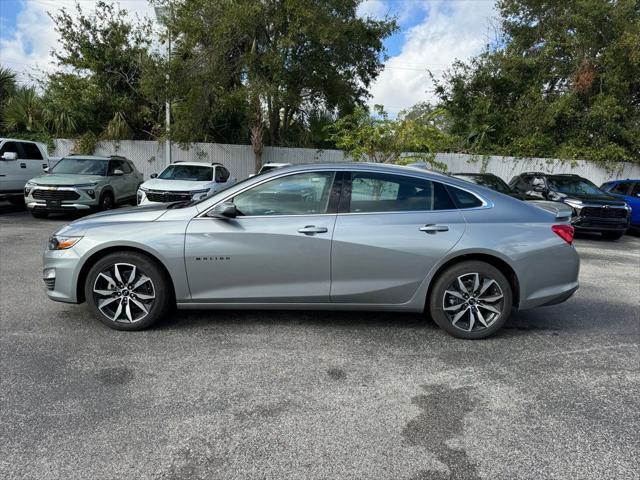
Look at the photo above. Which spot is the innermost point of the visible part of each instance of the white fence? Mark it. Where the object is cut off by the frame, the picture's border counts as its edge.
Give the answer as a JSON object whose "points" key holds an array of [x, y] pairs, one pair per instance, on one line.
{"points": [[149, 157]]}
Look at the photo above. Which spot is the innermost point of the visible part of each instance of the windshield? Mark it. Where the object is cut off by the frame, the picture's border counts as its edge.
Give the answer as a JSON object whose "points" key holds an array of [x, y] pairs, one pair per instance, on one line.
{"points": [[489, 181], [194, 173], [81, 166], [573, 186]]}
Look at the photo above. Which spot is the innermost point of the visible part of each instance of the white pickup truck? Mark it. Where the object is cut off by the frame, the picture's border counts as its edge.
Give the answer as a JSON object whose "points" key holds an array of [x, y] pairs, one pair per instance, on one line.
{"points": [[20, 161]]}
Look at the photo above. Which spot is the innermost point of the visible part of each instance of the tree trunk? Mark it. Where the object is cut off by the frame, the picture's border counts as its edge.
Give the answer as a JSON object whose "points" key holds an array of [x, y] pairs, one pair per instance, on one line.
{"points": [[257, 143]]}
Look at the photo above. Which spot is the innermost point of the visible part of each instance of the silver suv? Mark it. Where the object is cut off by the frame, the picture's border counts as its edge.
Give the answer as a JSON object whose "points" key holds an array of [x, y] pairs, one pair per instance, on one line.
{"points": [[83, 183]]}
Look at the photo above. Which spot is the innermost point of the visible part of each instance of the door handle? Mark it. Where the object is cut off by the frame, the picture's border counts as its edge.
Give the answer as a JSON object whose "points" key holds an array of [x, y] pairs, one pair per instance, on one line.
{"points": [[23, 165], [312, 229], [433, 228]]}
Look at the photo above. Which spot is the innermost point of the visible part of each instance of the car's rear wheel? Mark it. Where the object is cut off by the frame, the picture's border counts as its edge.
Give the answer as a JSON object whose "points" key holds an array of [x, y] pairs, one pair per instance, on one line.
{"points": [[612, 235], [127, 291], [107, 201], [471, 300]]}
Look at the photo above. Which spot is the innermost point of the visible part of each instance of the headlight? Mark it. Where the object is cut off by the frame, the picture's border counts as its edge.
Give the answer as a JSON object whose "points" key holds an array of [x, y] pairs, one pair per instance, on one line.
{"points": [[28, 187], [59, 242], [145, 190], [577, 204], [198, 194]]}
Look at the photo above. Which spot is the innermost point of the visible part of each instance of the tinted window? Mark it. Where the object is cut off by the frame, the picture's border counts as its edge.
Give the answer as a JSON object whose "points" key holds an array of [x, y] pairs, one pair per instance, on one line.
{"points": [[490, 181], [621, 188], [194, 173], [222, 174], [376, 192], [464, 199], [81, 166], [636, 189], [31, 151], [125, 167], [9, 147], [116, 165], [300, 194]]}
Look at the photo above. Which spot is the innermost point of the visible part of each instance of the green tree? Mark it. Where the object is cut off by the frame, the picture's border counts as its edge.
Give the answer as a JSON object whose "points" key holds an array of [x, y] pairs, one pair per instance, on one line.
{"points": [[378, 138], [563, 80], [97, 87], [257, 71]]}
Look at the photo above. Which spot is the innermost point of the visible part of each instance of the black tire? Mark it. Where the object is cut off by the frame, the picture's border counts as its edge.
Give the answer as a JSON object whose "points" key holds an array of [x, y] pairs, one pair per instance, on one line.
{"points": [[612, 235], [107, 201], [159, 286], [39, 214], [493, 320], [18, 201]]}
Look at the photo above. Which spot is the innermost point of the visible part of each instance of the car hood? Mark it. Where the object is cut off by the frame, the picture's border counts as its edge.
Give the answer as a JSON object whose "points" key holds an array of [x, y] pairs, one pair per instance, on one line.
{"points": [[147, 213], [65, 179], [604, 199], [175, 185]]}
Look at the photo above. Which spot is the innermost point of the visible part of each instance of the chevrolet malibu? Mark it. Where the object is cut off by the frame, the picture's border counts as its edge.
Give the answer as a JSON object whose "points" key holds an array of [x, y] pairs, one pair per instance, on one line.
{"points": [[335, 237]]}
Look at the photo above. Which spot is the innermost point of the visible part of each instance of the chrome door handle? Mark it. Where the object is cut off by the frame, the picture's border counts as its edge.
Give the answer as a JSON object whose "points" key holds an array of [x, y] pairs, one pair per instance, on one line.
{"points": [[23, 165], [312, 229], [433, 228]]}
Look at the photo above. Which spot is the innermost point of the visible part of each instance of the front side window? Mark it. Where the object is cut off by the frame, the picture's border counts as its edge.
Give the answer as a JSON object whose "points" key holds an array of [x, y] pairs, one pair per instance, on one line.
{"points": [[194, 173], [379, 193], [621, 188], [299, 194], [636, 190], [11, 147], [81, 166]]}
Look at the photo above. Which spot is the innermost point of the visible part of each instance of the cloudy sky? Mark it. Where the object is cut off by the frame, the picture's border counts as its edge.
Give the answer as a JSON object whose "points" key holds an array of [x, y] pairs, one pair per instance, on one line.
{"points": [[433, 33]]}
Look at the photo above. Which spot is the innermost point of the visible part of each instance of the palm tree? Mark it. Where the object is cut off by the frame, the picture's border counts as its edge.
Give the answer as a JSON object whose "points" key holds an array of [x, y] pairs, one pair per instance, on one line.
{"points": [[23, 111], [7, 83]]}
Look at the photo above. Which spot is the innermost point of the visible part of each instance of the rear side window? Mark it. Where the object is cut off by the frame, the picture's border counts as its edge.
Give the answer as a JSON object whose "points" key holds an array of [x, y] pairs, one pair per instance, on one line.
{"points": [[636, 189], [31, 151], [464, 199], [380, 193], [222, 174]]}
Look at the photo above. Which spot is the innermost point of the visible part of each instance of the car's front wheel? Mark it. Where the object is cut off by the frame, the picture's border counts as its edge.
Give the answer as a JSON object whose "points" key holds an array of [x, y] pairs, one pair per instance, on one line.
{"points": [[107, 202], [471, 300], [127, 291]]}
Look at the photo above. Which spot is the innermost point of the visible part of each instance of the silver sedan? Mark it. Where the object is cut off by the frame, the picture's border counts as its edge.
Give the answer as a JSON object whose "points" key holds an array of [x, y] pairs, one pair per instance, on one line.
{"points": [[333, 236]]}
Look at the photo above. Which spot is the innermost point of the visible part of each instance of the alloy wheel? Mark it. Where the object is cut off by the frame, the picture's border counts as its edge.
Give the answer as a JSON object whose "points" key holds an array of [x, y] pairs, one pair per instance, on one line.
{"points": [[124, 293], [473, 302]]}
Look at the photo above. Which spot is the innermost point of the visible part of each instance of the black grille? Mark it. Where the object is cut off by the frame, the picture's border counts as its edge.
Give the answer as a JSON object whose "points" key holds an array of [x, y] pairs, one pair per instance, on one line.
{"points": [[50, 283], [55, 194], [158, 196], [604, 212]]}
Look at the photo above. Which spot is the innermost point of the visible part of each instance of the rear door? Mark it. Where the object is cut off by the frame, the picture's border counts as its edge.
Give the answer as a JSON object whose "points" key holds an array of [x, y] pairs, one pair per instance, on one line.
{"points": [[278, 250], [390, 232]]}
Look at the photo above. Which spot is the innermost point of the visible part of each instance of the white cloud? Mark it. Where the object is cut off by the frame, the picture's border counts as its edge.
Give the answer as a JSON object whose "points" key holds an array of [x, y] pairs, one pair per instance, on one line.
{"points": [[28, 51], [450, 31]]}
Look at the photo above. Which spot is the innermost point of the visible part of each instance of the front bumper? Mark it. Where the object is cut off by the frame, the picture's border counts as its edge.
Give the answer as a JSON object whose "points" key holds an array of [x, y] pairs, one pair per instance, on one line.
{"points": [[57, 200], [596, 224], [60, 269]]}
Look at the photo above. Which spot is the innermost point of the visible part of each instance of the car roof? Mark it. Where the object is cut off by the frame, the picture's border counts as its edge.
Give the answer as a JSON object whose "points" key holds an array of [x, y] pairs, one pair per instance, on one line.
{"points": [[472, 174], [275, 164], [197, 164]]}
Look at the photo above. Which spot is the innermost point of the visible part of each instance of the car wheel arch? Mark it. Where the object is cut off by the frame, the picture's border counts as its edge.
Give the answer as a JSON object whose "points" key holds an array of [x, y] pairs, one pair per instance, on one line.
{"points": [[493, 260], [96, 256]]}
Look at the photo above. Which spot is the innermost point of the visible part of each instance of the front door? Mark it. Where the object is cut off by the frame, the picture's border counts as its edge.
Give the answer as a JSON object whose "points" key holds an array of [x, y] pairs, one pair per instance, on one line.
{"points": [[277, 250], [13, 175], [390, 232]]}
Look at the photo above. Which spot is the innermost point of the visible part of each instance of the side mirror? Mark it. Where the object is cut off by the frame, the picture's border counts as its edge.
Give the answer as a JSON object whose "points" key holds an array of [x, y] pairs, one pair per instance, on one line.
{"points": [[117, 172], [223, 210], [154, 175], [9, 156]]}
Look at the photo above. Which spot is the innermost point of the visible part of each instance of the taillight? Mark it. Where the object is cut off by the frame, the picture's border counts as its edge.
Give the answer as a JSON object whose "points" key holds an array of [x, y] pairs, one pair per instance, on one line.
{"points": [[565, 232]]}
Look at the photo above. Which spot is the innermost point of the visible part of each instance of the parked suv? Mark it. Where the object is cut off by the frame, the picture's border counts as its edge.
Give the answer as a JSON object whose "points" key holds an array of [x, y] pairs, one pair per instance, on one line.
{"points": [[185, 181], [83, 183], [20, 160], [629, 191], [593, 209]]}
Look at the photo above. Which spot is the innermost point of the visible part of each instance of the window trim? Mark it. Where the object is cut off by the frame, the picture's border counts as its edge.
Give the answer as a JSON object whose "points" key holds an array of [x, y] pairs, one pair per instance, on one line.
{"points": [[345, 205], [343, 172]]}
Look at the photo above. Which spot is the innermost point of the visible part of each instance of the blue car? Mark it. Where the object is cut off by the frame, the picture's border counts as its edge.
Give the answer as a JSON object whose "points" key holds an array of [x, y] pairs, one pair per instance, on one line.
{"points": [[629, 190]]}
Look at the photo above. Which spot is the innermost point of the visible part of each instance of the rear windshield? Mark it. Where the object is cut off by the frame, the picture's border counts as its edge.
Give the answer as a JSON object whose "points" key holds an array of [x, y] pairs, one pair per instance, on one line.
{"points": [[573, 186], [195, 173], [489, 181], [81, 166]]}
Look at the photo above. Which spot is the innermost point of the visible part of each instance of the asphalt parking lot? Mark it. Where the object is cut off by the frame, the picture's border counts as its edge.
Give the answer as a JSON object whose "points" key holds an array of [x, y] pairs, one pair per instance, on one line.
{"points": [[318, 395]]}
